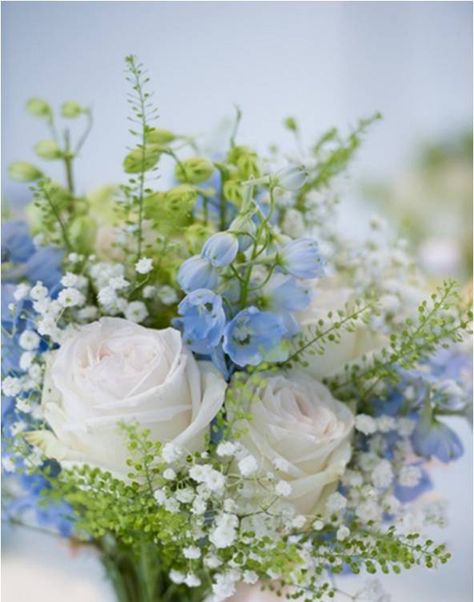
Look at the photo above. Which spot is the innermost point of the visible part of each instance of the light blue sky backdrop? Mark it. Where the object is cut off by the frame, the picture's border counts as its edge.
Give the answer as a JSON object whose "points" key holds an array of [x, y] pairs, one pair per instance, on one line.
{"points": [[327, 63]]}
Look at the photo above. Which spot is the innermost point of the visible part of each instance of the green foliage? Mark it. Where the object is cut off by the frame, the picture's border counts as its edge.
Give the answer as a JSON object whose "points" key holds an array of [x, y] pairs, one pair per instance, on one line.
{"points": [[159, 136], [39, 108], [53, 204], [141, 159], [124, 520], [82, 232], [71, 109], [171, 211], [194, 170], [332, 154], [48, 149], [314, 339], [21, 171]]}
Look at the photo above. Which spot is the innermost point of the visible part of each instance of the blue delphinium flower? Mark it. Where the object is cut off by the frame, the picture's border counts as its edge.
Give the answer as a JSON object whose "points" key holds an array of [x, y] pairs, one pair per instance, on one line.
{"points": [[52, 515], [197, 272], [221, 249], [432, 438], [203, 320], [301, 258], [24, 261], [283, 295], [252, 336], [407, 494], [44, 265], [17, 246]]}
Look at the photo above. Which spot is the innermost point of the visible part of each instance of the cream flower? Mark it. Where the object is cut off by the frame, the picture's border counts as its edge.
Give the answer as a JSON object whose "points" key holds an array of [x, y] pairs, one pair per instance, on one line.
{"points": [[329, 295], [114, 370], [298, 426]]}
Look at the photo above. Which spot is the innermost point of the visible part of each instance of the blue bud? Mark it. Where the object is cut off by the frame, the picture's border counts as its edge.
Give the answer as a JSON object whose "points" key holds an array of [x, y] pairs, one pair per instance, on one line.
{"points": [[244, 228], [433, 438], [302, 258], [196, 272], [203, 320], [220, 249], [17, 245], [293, 178]]}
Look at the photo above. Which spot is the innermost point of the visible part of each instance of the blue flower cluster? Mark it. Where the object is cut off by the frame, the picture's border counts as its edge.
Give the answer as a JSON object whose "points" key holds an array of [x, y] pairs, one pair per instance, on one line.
{"points": [[423, 395], [217, 319], [23, 261]]}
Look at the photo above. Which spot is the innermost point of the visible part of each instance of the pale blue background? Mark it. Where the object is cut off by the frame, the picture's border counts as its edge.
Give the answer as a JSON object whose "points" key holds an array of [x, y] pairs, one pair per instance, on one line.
{"points": [[326, 63]]}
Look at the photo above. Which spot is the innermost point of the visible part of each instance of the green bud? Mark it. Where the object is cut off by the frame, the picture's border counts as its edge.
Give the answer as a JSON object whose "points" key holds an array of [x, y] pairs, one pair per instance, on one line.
{"points": [[38, 107], [184, 194], [194, 170], [248, 166], [24, 172], [172, 210], [233, 191], [236, 152], [246, 161], [136, 160], [48, 149], [81, 207], [82, 233], [291, 124], [245, 228], [71, 109], [196, 235], [159, 136]]}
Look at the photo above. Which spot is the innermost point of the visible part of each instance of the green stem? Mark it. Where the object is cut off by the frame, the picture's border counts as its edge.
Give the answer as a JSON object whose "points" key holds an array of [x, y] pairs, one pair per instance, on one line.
{"points": [[138, 87], [68, 159], [57, 215]]}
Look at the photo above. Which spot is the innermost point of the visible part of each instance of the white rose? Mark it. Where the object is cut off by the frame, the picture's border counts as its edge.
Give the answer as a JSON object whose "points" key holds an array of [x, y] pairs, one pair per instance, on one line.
{"points": [[329, 295], [298, 426], [114, 370]]}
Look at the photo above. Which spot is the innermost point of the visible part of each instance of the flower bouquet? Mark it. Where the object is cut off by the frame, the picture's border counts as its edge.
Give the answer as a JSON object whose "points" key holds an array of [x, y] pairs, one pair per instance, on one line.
{"points": [[210, 384]]}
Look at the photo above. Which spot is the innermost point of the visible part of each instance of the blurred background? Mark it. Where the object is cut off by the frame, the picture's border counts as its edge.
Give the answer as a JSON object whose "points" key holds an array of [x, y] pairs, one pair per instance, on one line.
{"points": [[325, 63]]}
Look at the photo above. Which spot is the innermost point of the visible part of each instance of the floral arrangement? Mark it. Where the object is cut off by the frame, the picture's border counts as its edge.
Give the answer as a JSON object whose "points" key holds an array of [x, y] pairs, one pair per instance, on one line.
{"points": [[209, 383]]}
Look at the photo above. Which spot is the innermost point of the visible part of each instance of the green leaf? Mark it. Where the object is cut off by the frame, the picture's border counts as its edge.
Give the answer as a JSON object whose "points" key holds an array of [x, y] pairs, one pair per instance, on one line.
{"points": [[20, 171], [141, 159]]}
